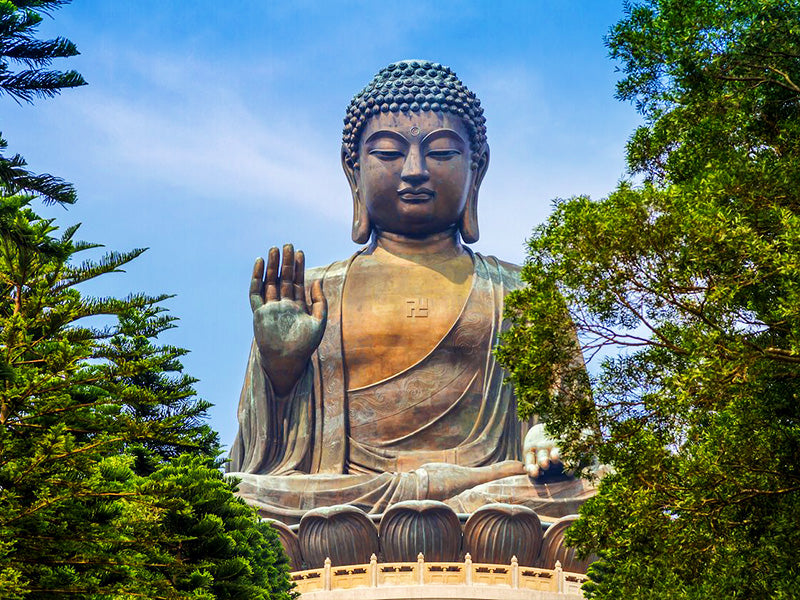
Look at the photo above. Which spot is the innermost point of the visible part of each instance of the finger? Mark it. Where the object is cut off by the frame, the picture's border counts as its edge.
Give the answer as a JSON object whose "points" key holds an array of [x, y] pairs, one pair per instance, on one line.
{"points": [[319, 304], [257, 284], [532, 469], [543, 458], [287, 272], [272, 275], [555, 456], [299, 278]]}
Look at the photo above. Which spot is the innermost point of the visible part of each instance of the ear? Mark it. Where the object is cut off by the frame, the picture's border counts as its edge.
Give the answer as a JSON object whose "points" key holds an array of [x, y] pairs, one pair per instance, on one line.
{"points": [[469, 219], [362, 228]]}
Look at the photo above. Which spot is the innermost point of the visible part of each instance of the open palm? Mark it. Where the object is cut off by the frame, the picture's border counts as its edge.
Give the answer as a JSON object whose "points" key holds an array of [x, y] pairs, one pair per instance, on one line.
{"points": [[287, 329]]}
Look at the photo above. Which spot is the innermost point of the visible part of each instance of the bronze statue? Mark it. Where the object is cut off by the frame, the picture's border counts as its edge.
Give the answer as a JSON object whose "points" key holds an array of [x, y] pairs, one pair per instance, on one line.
{"points": [[372, 380]]}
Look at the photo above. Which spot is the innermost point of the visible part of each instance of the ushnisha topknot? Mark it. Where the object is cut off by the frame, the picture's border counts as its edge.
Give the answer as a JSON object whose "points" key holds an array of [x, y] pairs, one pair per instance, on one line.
{"points": [[414, 85]]}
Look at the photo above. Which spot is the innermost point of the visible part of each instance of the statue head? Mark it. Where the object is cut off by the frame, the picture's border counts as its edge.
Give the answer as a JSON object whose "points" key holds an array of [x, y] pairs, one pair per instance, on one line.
{"points": [[414, 151]]}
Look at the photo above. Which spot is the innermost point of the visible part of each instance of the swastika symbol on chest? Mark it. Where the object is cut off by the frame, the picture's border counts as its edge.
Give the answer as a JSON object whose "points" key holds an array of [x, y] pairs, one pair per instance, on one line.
{"points": [[417, 308]]}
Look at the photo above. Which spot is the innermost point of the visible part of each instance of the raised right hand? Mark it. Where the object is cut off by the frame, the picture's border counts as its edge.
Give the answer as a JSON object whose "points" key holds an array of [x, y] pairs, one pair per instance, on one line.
{"points": [[287, 330]]}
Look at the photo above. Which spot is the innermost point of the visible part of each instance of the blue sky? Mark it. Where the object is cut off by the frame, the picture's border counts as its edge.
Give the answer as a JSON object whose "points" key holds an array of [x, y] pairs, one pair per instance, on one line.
{"points": [[210, 131]]}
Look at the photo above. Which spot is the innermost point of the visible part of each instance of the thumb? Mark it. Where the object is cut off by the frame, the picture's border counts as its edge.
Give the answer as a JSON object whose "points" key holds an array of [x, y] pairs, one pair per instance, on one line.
{"points": [[319, 304]]}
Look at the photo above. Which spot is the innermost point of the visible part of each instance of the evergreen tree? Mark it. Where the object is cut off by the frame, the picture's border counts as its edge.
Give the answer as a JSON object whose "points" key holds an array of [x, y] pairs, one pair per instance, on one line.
{"points": [[689, 285], [221, 550], [109, 481], [24, 75]]}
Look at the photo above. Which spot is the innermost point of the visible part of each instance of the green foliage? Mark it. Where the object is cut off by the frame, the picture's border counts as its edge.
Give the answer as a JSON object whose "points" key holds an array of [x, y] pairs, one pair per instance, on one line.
{"points": [[109, 482], [686, 289], [24, 75], [221, 550], [18, 46]]}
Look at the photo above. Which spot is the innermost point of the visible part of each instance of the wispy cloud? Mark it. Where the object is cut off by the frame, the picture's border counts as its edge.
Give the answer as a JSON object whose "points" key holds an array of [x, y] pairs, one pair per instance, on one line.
{"points": [[207, 140]]}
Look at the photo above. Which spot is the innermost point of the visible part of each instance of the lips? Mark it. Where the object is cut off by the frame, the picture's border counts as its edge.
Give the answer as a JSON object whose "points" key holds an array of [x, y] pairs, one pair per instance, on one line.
{"points": [[416, 195]]}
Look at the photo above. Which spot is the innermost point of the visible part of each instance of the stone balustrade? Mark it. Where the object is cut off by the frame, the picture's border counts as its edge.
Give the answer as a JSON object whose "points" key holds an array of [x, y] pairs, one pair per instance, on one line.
{"points": [[423, 579]]}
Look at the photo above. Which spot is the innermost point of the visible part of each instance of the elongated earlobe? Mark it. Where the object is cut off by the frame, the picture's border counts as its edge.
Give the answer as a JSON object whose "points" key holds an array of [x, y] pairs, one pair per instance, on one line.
{"points": [[469, 223], [361, 225], [362, 228], [469, 218]]}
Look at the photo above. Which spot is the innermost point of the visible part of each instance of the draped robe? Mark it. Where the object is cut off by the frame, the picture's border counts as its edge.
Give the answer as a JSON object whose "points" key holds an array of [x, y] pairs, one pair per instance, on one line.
{"points": [[433, 430]]}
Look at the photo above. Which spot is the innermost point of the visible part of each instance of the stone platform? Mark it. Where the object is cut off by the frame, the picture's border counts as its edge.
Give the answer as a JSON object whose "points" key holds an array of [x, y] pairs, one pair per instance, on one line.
{"points": [[424, 543], [432, 580]]}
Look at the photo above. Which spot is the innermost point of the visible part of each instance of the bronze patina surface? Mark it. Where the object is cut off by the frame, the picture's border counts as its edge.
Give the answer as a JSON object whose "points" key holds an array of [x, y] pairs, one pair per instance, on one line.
{"points": [[396, 308], [372, 381]]}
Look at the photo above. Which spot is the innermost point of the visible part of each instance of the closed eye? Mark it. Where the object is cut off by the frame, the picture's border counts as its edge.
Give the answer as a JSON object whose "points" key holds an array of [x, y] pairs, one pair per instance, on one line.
{"points": [[386, 154], [443, 154]]}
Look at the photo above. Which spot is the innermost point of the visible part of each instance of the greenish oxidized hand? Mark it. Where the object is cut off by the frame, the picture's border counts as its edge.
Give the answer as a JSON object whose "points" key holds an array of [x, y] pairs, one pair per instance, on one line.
{"points": [[539, 450], [287, 330]]}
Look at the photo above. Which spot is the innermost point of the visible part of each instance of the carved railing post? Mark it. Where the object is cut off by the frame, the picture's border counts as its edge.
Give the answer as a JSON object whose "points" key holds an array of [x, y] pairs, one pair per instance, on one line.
{"points": [[373, 570], [559, 577], [420, 569], [468, 567], [514, 572], [326, 574]]}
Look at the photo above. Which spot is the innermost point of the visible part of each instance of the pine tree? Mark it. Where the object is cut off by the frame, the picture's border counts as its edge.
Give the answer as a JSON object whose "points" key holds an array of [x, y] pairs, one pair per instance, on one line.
{"points": [[110, 482], [220, 549], [24, 76], [109, 479]]}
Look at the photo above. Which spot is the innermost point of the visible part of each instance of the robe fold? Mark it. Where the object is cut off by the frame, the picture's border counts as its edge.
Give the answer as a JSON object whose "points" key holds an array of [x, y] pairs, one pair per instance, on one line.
{"points": [[441, 429]]}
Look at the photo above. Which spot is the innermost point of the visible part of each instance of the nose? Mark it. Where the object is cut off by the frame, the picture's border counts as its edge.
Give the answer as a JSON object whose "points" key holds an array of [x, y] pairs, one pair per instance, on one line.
{"points": [[414, 169]]}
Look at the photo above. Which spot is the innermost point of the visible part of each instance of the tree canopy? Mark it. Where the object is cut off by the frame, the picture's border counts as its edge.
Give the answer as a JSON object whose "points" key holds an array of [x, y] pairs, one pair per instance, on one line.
{"points": [[109, 478], [684, 287], [110, 482]]}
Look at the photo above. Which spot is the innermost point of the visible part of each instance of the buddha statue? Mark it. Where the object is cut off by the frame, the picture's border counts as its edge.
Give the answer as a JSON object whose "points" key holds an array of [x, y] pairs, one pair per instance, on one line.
{"points": [[371, 380]]}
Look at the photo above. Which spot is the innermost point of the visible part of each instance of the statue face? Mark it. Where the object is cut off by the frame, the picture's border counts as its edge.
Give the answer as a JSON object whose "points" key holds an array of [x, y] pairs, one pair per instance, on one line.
{"points": [[415, 174]]}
